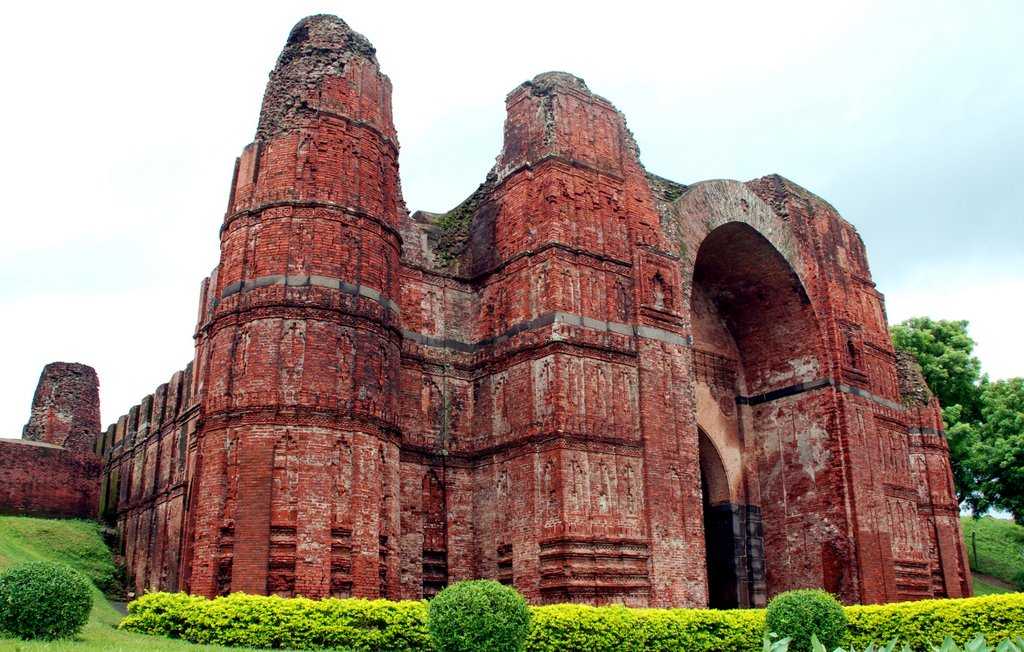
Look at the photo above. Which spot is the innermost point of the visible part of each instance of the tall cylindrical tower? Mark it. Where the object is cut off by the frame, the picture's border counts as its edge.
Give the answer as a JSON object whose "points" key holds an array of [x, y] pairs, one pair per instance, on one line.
{"points": [[296, 476]]}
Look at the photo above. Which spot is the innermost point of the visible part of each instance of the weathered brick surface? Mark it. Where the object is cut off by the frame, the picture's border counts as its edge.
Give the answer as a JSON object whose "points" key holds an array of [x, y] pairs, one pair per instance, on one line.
{"points": [[40, 479], [587, 381], [66, 406], [147, 461]]}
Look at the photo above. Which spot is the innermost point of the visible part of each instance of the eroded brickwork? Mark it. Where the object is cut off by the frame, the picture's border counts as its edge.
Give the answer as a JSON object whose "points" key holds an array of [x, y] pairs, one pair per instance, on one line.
{"points": [[148, 459], [587, 381], [40, 479], [66, 407]]}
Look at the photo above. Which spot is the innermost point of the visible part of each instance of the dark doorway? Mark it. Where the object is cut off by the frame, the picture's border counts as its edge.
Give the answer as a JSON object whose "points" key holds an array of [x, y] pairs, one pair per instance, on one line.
{"points": [[720, 538]]}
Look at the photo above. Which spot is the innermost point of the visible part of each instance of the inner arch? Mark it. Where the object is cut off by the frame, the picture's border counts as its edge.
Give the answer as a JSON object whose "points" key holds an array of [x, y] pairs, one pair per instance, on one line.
{"points": [[756, 348]]}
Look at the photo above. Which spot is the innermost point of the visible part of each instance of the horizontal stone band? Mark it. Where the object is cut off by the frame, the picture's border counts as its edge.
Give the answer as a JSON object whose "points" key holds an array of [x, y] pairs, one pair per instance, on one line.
{"points": [[300, 280], [799, 388], [547, 319]]}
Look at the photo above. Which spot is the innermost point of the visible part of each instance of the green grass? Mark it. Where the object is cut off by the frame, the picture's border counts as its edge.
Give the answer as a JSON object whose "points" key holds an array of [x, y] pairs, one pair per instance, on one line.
{"points": [[984, 587], [1000, 548], [80, 545]]}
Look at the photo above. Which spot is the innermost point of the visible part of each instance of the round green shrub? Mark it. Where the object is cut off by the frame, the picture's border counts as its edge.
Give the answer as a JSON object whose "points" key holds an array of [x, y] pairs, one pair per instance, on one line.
{"points": [[801, 613], [479, 616], [41, 599]]}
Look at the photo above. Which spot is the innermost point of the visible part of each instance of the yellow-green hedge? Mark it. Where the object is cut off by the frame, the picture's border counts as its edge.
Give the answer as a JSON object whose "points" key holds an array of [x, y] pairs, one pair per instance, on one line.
{"points": [[358, 625], [272, 622], [921, 623], [562, 627]]}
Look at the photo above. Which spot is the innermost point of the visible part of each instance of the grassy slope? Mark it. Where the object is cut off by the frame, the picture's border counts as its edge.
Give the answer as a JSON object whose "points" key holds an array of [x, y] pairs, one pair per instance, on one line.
{"points": [[1000, 551], [78, 544]]}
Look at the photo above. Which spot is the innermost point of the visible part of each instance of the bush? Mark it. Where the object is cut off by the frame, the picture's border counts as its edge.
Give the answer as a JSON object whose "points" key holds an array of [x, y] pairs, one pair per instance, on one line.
{"points": [[45, 600], [363, 625], [927, 622], [805, 612], [1018, 580], [274, 622], [610, 629], [479, 615]]}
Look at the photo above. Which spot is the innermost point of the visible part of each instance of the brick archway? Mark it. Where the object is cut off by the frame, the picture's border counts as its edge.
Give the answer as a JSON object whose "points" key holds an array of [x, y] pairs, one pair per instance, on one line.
{"points": [[757, 356]]}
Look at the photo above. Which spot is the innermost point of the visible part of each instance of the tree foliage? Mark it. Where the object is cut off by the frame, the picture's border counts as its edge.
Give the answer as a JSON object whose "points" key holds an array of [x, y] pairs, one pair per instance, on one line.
{"points": [[984, 419], [944, 351], [998, 449]]}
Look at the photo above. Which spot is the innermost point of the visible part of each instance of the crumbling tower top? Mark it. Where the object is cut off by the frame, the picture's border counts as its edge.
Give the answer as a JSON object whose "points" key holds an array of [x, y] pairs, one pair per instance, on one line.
{"points": [[318, 46], [545, 81], [66, 407]]}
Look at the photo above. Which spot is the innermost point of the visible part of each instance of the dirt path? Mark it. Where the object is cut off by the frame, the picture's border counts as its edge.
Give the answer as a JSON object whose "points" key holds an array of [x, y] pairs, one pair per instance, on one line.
{"points": [[994, 581]]}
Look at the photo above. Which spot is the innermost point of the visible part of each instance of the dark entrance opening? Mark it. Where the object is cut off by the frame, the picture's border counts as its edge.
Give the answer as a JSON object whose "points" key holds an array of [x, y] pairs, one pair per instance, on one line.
{"points": [[720, 537]]}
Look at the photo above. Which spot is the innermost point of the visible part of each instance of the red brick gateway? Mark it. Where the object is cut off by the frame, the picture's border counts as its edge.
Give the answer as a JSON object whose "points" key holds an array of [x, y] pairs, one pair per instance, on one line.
{"points": [[587, 381]]}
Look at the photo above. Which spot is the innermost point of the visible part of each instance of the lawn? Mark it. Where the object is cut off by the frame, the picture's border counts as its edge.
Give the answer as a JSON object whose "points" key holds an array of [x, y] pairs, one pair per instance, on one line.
{"points": [[79, 544], [996, 548]]}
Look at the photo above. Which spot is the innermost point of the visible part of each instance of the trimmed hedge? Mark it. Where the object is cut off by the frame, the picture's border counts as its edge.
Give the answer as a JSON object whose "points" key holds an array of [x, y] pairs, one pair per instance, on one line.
{"points": [[610, 629], [359, 625], [272, 622], [920, 624]]}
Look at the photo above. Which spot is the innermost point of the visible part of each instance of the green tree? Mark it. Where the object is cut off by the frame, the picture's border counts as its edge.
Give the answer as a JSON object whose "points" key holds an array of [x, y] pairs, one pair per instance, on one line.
{"points": [[962, 437], [944, 350], [998, 449]]}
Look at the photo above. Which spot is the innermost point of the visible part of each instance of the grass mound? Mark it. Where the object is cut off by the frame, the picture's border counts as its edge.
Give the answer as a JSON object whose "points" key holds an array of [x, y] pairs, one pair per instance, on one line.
{"points": [[77, 543], [995, 548]]}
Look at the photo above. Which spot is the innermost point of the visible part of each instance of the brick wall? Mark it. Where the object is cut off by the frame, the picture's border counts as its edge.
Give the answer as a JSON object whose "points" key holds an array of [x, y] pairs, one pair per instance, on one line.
{"points": [[147, 461], [40, 479], [52, 470]]}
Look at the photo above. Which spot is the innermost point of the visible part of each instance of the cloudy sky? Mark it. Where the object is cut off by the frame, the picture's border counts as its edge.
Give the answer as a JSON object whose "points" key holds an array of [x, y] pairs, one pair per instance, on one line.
{"points": [[122, 124]]}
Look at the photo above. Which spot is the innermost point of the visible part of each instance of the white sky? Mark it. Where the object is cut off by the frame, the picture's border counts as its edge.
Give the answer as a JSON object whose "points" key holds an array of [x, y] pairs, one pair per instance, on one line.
{"points": [[123, 122]]}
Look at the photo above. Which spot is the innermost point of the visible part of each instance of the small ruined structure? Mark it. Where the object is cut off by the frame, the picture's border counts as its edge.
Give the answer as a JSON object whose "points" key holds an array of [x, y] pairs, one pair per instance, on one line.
{"points": [[585, 380], [53, 469], [66, 407]]}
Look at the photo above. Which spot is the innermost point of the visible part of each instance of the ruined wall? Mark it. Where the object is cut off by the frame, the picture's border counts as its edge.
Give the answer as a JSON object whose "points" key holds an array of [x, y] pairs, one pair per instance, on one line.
{"points": [[938, 512], [519, 309], [873, 417], [40, 479], [298, 354], [586, 381]]}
